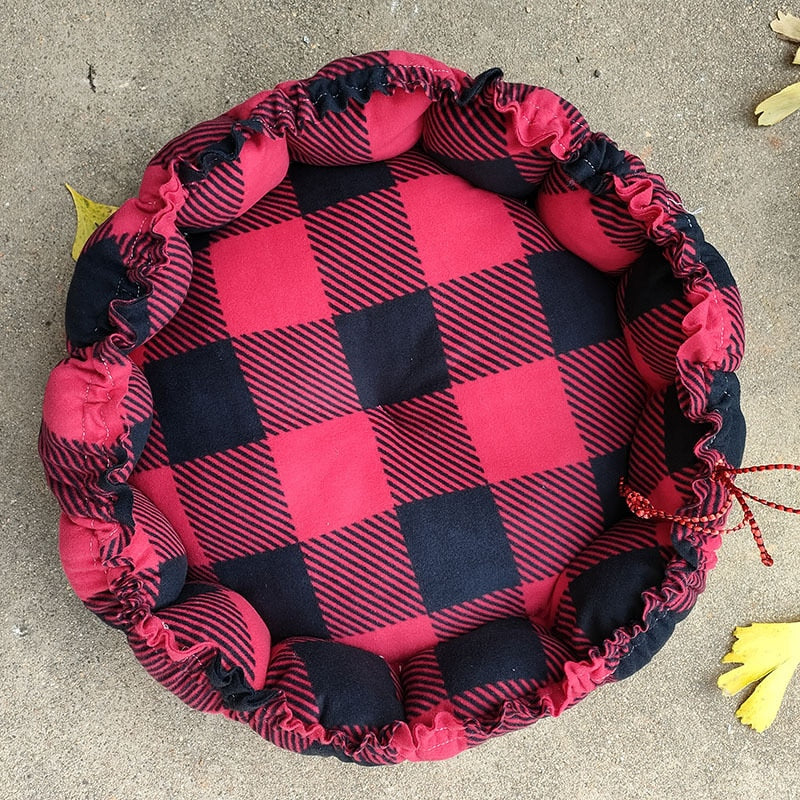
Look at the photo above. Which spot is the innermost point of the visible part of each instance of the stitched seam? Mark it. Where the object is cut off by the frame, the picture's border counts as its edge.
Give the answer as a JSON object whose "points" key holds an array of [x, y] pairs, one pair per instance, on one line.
{"points": [[108, 399]]}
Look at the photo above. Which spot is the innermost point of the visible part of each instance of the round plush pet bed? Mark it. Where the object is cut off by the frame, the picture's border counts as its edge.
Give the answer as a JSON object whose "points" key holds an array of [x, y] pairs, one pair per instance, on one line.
{"points": [[352, 388]]}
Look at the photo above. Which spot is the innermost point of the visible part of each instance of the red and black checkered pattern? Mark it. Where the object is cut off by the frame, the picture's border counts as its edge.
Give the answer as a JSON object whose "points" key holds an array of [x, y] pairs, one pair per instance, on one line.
{"points": [[445, 406], [352, 386]]}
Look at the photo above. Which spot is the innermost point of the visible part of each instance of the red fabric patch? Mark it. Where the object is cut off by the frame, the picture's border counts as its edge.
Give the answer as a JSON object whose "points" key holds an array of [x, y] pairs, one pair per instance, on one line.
{"points": [[260, 288], [331, 474], [478, 232], [82, 400], [538, 599], [78, 544], [395, 122], [443, 738], [399, 641], [520, 421]]}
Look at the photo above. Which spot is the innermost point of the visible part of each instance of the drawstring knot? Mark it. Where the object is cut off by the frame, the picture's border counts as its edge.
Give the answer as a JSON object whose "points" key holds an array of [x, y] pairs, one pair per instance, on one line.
{"points": [[724, 474]]}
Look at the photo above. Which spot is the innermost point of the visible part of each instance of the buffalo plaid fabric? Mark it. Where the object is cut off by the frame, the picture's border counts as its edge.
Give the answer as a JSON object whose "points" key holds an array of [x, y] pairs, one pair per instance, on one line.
{"points": [[396, 410], [359, 394]]}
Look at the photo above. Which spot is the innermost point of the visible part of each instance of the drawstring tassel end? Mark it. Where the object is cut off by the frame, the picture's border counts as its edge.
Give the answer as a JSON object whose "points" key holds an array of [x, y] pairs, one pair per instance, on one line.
{"points": [[724, 474]]}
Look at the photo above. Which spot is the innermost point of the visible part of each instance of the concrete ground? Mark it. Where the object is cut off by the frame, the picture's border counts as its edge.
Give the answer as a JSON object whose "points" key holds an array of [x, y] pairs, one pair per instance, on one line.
{"points": [[79, 717]]}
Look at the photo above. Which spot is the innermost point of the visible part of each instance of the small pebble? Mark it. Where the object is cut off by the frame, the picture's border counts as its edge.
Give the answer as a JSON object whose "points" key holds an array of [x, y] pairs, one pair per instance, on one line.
{"points": [[20, 630], [596, 73]]}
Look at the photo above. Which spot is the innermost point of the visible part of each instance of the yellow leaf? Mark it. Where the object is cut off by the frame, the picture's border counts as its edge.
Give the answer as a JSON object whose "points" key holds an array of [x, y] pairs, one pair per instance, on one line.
{"points": [[769, 654], [796, 59], [761, 708], [779, 105], [787, 26], [90, 215]]}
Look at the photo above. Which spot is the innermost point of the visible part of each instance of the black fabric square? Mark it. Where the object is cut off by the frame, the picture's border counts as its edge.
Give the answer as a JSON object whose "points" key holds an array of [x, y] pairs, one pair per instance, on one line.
{"points": [[140, 432], [171, 580], [352, 687], [458, 547], [101, 276], [195, 589], [319, 187], [609, 594], [121, 492], [198, 241], [578, 300], [504, 650], [499, 175], [394, 350], [650, 284], [681, 434], [276, 584], [607, 470], [203, 402]]}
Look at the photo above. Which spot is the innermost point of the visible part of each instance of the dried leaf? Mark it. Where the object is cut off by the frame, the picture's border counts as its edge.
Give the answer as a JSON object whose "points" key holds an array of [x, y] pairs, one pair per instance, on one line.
{"points": [[769, 654], [779, 105], [796, 59], [90, 216], [787, 26]]}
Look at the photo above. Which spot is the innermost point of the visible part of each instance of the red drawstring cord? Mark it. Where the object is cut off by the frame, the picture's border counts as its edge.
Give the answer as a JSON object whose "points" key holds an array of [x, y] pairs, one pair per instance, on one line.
{"points": [[724, 474]]}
